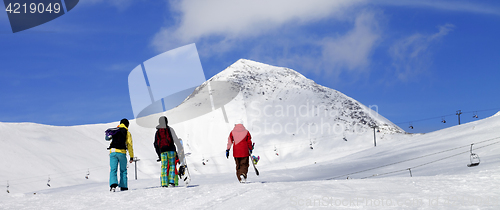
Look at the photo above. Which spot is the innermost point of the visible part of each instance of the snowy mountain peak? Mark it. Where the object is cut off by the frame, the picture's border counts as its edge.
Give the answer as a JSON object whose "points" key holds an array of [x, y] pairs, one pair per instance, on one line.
{"points": [[241, 63], [285, 112], [282, 91], [248, 69]]}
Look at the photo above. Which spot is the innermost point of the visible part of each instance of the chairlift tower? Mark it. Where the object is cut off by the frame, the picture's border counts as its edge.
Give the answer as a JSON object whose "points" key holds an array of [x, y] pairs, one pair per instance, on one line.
{"points": [[135, 159], [459, 112], [374, 136]]}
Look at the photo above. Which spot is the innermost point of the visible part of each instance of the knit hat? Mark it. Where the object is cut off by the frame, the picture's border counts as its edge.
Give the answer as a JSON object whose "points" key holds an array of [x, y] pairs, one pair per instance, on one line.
{"points": [[163, 122]]}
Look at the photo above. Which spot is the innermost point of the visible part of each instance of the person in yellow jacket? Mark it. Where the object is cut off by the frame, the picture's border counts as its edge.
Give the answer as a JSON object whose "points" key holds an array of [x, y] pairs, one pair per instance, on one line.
{"points": [[120, 143]]}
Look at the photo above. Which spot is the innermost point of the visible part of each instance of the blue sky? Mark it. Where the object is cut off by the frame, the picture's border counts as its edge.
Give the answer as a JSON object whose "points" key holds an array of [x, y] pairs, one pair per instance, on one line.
{"points": [[413, 59]]}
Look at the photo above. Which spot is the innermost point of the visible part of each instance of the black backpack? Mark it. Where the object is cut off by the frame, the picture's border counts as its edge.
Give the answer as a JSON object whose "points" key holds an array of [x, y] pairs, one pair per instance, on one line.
{"points": [[118, 137]]}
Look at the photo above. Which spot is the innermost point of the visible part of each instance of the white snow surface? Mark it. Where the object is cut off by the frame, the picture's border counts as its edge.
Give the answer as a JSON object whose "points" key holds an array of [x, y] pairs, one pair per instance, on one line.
{"points": [[497, 114], [335, 173]]}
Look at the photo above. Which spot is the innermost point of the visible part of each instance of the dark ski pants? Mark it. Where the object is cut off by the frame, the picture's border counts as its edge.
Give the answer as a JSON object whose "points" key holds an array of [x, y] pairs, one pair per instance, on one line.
{"points": [[241, 166]]}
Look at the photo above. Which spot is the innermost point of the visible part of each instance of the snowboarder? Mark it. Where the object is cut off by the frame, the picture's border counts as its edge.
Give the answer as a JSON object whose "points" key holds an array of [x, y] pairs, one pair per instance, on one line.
{"points": [[242, 141], [169, 150], [121, 142]]}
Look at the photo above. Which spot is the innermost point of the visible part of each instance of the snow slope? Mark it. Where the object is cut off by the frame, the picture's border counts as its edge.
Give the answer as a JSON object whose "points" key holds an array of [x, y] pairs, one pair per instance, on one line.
{"points": [[446, 184], [478, 190], [299, 177]]}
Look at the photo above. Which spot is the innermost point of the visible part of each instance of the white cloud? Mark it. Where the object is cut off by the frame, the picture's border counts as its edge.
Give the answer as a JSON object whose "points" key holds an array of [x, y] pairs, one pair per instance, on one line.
{"points": [[349, 51], [224, 21], [238, 19], [353, 49], [270, 27], [223, 26], [450, 5], [411, 55]]}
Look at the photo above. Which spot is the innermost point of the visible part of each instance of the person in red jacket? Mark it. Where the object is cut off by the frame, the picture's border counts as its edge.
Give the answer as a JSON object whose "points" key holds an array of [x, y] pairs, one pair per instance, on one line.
{"points": [[242, 149]]}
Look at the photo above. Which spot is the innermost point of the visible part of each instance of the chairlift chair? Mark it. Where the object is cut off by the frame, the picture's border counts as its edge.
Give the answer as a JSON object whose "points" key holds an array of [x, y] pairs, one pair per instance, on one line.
{"points": [[474, 158]]}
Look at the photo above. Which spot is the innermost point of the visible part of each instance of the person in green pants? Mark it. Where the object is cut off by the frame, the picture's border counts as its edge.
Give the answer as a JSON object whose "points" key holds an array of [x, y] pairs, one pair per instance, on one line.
{"points": [[169, 149]]}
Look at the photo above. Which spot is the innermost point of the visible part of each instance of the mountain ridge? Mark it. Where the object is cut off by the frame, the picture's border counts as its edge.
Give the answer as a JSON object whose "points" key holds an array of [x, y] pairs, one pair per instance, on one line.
{"points": [[259, 81]]}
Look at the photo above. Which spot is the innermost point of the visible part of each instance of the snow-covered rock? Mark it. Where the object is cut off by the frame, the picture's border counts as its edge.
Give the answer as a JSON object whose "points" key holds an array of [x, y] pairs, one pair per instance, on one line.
{"points": [[285, 93]]}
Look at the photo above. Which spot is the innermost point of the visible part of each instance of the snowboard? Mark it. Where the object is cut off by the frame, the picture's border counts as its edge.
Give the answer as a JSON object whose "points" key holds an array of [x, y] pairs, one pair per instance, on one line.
{"points": [[253, 161], [183, 171], [184, 174]]}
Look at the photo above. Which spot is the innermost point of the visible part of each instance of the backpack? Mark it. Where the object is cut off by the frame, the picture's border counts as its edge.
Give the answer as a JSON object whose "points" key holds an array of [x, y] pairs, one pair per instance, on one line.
{"points": [[164, 138], [118, 137]]}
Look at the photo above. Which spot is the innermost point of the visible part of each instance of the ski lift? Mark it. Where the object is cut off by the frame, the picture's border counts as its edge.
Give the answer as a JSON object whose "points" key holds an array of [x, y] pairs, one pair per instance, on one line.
{"points": [[276, 151], [8, 187], [474, 158], [48, 182], [411, 126], [311, 145], [443, 120], [88, 174], [475, 115]]}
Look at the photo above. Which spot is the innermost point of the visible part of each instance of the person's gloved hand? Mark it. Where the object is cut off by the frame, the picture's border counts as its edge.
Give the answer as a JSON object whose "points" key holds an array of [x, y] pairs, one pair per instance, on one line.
{"points": [[250, 151], [227, 154]]}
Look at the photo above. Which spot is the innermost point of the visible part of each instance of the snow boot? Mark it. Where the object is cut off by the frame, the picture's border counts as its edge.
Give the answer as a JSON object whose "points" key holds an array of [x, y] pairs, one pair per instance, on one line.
{"points": [[243, 179], [112, 188]]}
